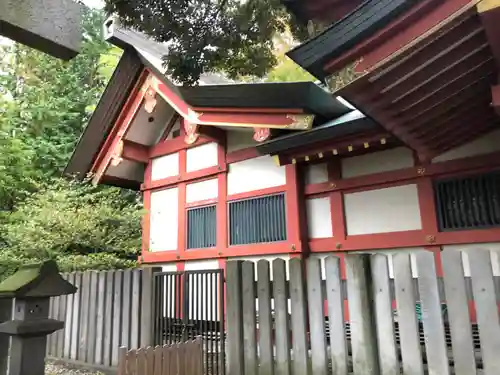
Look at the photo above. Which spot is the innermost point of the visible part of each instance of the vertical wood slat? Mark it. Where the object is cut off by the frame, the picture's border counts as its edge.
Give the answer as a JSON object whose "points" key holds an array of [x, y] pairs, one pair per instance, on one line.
{"points": [[135, 297], [458, 316], [117, 315], [158, 360], [435, 342], [84, 315], [387, 351], [266, 354], [234, 318], [147, 316], [122, 361], [282, 325], [141, 361], [316, 317], [75, 324], [125, 306], [61, 334], [108, 319], [483, 287], [336, 320], [299, 317], [363, 342], [68, 326], [92, 318], [249, 322], [100, 313], [407, 320], [54, 337]]}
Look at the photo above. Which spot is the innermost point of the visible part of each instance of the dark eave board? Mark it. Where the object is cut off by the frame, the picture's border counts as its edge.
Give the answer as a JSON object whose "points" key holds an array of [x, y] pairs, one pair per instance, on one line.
{"points": [[285, 95], [107, 111], [362, 22], [329, 130]]}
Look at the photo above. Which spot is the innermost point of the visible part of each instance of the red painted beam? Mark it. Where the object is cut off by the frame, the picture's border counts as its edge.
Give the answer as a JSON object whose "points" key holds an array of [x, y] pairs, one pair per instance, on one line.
{"points": [[428, 100], [170, 146], [439, 113], [445, 100], [368, 45], [135, 152], [243, 154], [490, 19], [451, 80], [439, 48], [495, 98], [450, 66], [435, 17], [213, 134]]}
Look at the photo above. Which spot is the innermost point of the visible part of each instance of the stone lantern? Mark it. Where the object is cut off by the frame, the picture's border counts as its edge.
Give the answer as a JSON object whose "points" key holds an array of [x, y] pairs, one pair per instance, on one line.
{"points": [[30, 289]]}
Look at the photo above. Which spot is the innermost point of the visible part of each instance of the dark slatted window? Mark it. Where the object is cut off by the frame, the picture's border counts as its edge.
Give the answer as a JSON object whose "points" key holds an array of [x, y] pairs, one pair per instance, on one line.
{"points": [[471, 202], [201, 227], [257, 220]]}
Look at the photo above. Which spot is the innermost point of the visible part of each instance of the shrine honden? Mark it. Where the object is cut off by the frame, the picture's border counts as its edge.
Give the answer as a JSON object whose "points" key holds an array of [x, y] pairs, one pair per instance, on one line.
{"points": [[405, 157]]}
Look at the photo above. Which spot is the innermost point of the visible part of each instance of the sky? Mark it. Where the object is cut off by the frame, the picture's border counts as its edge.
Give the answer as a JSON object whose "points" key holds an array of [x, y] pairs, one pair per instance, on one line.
{"points": [[93, 3]]}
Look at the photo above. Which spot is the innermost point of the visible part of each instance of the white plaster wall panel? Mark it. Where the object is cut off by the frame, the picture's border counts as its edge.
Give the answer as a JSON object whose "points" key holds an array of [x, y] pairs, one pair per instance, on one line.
{"points": [[316, 173], [200, 265], [165, 166], [376, 162], [319, 218], [201, 157], [493, 247], [386, 210], [169, 267], [482, 145], [164, 220], [200, 191], [239, 140], [254, 174]]}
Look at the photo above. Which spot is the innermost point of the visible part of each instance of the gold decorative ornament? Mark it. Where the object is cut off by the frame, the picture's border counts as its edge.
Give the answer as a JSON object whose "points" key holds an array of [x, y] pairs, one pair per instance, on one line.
{"points": [[349, 148], [430, 239], [294, 161], [421, 171], [300, 122], [261, 134], [150, 100], [191, 130], [306, 158], [366, 144], [116, 156], [333, 185], [383, 141], [320, 155]]}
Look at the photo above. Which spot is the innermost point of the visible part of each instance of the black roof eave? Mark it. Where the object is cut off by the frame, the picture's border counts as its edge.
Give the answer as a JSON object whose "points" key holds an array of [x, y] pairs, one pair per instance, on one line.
{"points": [[365, 20], [321, 133], [293, 95], [107, 111]]}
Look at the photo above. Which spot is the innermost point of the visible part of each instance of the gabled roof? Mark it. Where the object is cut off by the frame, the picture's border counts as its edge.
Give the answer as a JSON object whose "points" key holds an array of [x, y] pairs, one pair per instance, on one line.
{"points": [[141, 53]]}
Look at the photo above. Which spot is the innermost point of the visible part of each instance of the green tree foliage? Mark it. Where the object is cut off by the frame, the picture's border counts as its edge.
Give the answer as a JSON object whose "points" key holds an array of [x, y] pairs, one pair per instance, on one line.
{"points": [[45, 104], [79, 225], [232, 36]]}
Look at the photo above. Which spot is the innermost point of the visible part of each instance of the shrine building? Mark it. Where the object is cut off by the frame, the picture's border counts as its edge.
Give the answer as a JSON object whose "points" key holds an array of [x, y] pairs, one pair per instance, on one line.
{"points": [[404, 156]]}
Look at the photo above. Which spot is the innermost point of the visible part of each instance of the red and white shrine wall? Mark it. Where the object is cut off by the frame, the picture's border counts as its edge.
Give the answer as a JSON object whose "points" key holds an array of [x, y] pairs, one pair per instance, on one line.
{"points": [[381, 201]]}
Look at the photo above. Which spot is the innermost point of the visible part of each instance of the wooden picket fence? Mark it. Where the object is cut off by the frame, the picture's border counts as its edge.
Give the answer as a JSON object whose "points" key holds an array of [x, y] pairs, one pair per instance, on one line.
{"points": [[305, 319], [179, 359], [109, 310]]}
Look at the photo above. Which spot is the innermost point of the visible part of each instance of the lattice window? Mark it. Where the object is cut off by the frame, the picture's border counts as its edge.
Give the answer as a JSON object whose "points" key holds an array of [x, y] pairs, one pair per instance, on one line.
{"points": [[471, 202], [257, 220], [201, 227]]}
